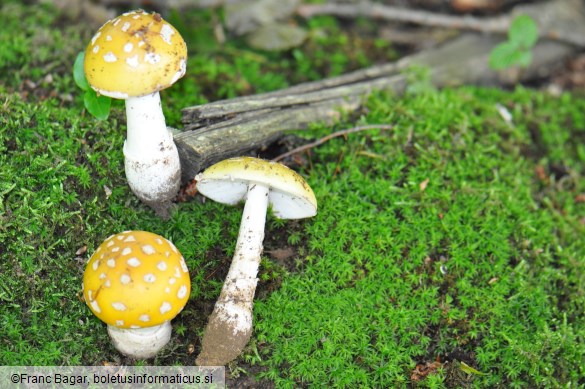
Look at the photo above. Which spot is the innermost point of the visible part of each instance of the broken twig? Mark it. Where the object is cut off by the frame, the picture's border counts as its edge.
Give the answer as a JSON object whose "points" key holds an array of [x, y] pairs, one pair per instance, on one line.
{"points": [[337, 134], [560, 20], [406, 15]]}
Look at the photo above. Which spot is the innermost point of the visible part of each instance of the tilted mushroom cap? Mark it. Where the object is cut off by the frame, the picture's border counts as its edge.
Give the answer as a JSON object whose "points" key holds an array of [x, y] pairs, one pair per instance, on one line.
{"points": [[136, 279], [227, 182], [133, 55]]}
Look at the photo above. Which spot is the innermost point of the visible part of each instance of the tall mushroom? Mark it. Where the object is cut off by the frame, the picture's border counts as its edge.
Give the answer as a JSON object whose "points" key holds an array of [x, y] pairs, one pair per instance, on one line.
{"points": [[259, 183], [137, 282], [133, 57]]}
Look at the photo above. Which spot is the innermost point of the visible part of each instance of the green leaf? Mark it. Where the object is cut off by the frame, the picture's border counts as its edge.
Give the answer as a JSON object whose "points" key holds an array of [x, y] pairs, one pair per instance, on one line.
{"points": [[470, 370], [79, 73], [523, 32], [504, 56], [524, 58], [98, 106]]}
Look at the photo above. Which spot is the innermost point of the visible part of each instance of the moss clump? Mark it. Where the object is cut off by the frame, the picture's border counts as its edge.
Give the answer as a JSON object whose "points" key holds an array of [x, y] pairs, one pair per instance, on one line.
{"points": [[439, 240]]}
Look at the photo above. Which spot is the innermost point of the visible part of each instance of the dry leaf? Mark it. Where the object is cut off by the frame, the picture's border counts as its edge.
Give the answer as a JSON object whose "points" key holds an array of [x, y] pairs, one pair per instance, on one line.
{"points": [[422, 370], [423, 185], [187, 191], [541, 173], [81, 251], [282, 254], [108, 191]]}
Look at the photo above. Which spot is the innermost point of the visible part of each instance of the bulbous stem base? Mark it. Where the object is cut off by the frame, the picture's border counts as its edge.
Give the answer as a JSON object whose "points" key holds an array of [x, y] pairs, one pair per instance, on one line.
{"points": [[140, 343]]}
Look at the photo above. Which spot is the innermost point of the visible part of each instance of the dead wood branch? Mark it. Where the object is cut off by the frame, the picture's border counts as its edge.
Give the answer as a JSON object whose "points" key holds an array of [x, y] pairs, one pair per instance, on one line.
{"points": [[222, 129], [237, 126]]}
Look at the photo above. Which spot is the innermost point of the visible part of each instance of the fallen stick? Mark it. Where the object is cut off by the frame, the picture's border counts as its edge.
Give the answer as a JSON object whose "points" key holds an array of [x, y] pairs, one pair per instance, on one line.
{"points": [[227, 128]]}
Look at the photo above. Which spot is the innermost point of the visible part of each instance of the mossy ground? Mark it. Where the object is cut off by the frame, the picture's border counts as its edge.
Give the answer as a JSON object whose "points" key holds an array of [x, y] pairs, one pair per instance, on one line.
{"points": [[455, 237]]}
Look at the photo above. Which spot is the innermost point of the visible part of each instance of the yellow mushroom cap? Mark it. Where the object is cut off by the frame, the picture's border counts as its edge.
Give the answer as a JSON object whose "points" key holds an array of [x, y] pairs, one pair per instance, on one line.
{"points": [[136, 279], [227, 182], [133, 55]]}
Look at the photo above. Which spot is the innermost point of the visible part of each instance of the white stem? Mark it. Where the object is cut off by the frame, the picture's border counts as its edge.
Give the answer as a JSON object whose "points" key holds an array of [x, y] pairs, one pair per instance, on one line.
{"points": [[146, 124], [140, 343], [230, 325], [240, 284], [152, 163]]}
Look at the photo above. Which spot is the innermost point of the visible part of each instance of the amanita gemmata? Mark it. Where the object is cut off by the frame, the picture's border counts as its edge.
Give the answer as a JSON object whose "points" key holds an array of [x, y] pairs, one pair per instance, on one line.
{"points": [[133, 57], [259, 183], [137, 282]]}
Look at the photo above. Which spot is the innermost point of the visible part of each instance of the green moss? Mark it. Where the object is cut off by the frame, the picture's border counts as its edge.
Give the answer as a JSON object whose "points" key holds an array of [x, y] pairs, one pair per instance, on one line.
{"points": [[474, 263], [38, 46], [63, 189]]}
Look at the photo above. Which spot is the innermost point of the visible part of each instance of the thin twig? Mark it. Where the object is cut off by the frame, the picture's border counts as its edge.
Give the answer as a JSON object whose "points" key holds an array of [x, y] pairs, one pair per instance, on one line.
{"points": [[384, 12], [559, 20], [331, 136]]}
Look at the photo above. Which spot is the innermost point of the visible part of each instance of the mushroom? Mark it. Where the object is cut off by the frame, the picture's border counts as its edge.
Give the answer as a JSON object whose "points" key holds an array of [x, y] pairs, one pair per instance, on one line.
{"points": [[259, 183], [133, 57], [137, 282]]}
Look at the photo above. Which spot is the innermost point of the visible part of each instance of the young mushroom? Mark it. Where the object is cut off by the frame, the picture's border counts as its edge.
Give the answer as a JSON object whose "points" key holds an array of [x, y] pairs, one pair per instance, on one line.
{"points": [[137, 282], [259, 183], [133, 57]]}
